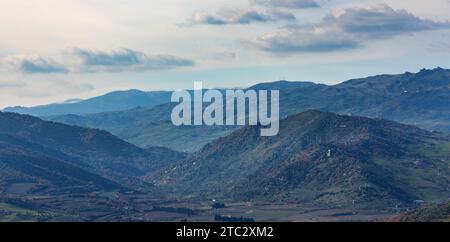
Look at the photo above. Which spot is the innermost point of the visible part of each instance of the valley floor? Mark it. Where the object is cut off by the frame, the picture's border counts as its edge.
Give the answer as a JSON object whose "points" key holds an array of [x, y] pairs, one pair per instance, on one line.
{"points": [[138, 207], [290, 213]]}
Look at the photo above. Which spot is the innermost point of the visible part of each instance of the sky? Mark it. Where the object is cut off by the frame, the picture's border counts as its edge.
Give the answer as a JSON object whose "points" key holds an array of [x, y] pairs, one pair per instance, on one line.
{"points": [[55, 50]]}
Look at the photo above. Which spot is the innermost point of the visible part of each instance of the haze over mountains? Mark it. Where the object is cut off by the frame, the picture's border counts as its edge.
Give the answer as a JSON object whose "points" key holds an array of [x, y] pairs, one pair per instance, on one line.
{"points": [[114, 101], [419, 99]]}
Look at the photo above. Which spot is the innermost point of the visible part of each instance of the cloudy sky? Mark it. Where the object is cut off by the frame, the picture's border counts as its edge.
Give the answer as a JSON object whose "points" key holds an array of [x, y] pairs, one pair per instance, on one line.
{"points": [[54, 50]]}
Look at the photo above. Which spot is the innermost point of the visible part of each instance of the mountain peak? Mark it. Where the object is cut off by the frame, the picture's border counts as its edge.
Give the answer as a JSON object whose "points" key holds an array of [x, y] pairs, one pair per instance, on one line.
{"points": [[425, 79], [437, 69]]}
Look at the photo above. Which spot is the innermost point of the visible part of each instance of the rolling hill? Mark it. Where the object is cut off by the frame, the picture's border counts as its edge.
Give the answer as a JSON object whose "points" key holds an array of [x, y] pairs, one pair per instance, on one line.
{"points": [[56, 172], [322, 159], [31, 147], [419, 99], [25, 171]]}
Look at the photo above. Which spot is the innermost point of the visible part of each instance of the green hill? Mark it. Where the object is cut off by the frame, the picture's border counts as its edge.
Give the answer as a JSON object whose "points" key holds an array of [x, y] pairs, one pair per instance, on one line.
{"points": [[59, 154], [319, 158]]}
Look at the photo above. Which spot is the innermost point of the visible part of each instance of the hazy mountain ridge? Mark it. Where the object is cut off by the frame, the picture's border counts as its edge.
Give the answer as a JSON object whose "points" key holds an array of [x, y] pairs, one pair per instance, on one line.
{"points": [[113, 101], [420, 99]]}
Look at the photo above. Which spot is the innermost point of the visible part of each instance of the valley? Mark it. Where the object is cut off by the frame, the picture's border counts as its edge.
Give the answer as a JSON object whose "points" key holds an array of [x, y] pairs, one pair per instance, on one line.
{"points": [[120, 207], [357, 151]]}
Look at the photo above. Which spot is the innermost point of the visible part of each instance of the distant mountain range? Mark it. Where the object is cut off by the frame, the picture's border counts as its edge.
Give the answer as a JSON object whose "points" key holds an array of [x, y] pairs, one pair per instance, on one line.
{"points": [[320, 158], [419, 99], [114, 101], [121, 100]]}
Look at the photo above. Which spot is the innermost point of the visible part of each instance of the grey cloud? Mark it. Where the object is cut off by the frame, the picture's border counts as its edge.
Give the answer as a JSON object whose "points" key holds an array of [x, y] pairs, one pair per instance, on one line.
{"points": [[379, 22], [302, 41], [289, 3], [237, 16], [344, 30], [281, 15], [82, 60], [127, 60], [33, 65]]}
